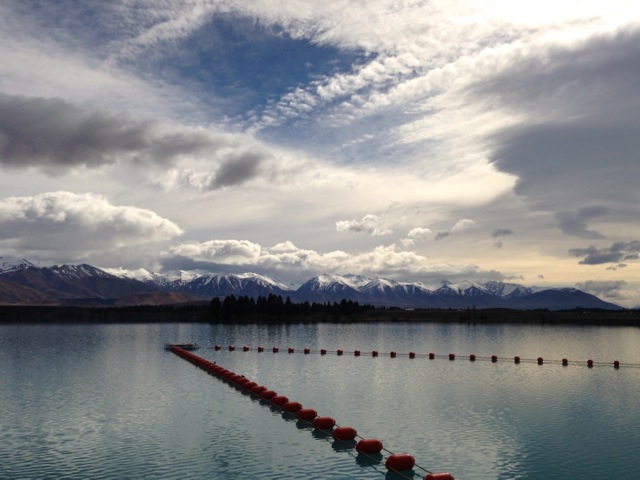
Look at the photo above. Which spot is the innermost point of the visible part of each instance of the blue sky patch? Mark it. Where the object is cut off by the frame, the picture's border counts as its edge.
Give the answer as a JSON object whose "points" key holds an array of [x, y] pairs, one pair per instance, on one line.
{"points": [[251, 63]]}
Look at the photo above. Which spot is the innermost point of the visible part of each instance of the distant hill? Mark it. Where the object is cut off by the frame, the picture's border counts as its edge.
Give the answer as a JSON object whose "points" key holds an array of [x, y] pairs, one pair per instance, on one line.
{"points": [[23, 282]]}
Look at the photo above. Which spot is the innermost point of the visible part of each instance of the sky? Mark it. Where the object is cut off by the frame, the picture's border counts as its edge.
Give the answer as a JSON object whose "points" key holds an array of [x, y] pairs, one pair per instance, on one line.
{"points": [[410, 140]]}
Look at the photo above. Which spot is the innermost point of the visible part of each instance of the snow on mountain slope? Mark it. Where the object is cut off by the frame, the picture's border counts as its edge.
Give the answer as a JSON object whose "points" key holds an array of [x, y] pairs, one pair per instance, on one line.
{"points": [[9, 263]]}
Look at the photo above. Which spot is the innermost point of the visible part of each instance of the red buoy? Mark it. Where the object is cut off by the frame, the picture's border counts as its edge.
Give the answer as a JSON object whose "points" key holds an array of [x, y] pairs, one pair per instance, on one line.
{"points": [[323, 351], [217, 347], [452, 356], [246, 348], [250, 385], [339, 352], [616, 364], [494, 358], [439, 476], [565, 362], [392, 354], [232, 348], [258, 389], [374, 353], [261, 348], [369, 446], [432, 356], [356, 353], [412, 354], [291, 350], [292, 407], [540, 360], [275, 349], [472, 358], [307, 351], [279, 400], [400, 461], [324, 423], [589, 363], [307, 414], [516, 359], [268, 394], [344, 433]]}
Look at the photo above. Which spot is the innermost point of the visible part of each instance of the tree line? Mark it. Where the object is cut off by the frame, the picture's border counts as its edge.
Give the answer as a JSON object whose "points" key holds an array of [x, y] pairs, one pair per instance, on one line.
{"points": [[233, 308]]}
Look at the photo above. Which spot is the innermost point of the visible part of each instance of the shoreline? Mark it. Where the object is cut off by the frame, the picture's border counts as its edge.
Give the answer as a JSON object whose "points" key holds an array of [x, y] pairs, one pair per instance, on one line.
{"points": [[197, 313]]}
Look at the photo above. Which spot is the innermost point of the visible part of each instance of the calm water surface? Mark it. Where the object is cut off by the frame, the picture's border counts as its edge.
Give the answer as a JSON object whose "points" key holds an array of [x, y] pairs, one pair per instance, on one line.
{"points": [[106, 401]]}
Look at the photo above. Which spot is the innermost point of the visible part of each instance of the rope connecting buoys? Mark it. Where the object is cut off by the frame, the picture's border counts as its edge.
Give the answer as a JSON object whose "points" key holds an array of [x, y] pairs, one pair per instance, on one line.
{"points": [[369, 447], [431, 356]]}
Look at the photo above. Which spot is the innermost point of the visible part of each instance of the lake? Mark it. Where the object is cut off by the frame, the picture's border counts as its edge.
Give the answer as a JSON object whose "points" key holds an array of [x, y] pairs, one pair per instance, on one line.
{"points": [[107, 401]]}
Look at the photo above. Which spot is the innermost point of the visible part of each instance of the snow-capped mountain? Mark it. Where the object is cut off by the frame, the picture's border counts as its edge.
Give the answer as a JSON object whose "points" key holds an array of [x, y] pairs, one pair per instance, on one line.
{"points": [[8, 263], [20, 277]]}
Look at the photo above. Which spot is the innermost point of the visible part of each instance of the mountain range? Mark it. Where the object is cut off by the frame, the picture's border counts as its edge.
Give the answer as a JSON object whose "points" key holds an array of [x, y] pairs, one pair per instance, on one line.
{"points": [[24, 283]]}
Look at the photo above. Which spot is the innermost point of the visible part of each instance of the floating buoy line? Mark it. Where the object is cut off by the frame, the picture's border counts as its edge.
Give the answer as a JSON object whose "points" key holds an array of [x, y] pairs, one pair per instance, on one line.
{"points": [[369, 449], [432, 356]]}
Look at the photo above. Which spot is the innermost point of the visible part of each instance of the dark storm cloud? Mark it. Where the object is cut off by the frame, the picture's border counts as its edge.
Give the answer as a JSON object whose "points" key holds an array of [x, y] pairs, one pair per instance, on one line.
{"points": [[56, 135], [616, 253], [576, 223], [587, 147], [238, 170], [501, 232]]}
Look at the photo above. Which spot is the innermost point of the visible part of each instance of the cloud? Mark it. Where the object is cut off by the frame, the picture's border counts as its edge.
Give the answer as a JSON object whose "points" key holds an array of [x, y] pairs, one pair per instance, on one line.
{"points": [[299, 264], [576, 223], [463, 225], [610, 289], [618, 252], [235, 252], [57, 135], [371, 224], [239, 169], [69, 225], [501, 232], [573, 132]]}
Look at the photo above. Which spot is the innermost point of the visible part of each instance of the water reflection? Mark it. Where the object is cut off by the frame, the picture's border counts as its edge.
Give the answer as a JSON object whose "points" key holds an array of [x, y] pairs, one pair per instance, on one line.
{"points": [[106, 401]]}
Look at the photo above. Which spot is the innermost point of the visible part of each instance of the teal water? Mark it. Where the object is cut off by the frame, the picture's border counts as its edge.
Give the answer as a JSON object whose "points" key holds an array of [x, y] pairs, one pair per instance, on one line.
{"points": [[106, 402]]}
